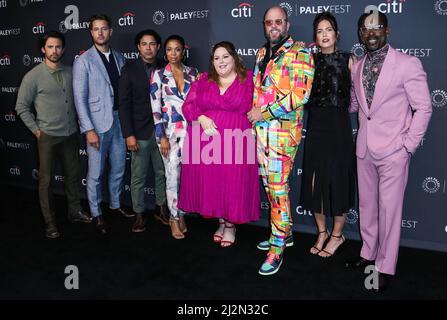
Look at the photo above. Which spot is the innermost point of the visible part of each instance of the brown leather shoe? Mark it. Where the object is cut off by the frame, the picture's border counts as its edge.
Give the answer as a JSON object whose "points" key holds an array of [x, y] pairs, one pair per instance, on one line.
{"points": [[162, 214], [101, 225], [175, 229], [79, 216], [139, 224], [125, 213]]}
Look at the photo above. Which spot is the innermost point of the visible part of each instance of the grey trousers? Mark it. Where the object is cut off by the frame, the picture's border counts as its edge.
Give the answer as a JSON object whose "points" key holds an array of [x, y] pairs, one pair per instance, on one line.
{"points": [[148, 152]]}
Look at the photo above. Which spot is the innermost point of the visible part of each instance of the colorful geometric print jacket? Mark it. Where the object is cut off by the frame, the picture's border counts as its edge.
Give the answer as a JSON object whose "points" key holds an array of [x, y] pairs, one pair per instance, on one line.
{"points": [[285, 87]]}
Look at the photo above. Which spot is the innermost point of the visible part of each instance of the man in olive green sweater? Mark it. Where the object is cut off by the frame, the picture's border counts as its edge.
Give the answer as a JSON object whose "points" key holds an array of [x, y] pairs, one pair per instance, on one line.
{"points": [[48, 87]]}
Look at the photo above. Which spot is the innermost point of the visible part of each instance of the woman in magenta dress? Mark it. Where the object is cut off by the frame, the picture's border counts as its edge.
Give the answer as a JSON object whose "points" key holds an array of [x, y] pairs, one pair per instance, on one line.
{"points": [[219, 177]]}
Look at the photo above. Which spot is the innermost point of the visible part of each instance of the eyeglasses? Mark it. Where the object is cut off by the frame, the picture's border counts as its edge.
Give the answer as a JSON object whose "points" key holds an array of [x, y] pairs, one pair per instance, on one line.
{"points": [[374, 28], [277, 22]]}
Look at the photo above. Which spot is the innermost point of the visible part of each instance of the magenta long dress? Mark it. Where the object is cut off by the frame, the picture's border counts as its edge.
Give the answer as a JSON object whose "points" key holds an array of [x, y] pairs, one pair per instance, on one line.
{"points": [[219, 177]]}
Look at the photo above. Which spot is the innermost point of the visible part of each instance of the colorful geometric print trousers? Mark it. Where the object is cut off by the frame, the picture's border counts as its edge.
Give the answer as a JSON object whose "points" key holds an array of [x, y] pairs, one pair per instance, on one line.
{"points": [[276, 152]]}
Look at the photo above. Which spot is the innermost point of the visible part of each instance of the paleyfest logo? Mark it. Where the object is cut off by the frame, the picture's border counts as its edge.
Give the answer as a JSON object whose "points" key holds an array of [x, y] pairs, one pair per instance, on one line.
{"points": [[441, 7], [286, 6], [439, 98], [352, 217], [158, 17], [28, 60], [431, 185], [358, 50]]}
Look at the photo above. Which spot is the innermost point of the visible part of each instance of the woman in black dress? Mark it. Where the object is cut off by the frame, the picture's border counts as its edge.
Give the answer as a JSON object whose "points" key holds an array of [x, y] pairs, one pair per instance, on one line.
{"points": [[329, 163]]}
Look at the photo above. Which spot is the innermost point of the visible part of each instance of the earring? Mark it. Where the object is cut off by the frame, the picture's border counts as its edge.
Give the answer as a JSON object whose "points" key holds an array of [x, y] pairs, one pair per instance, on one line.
{"points": [[165, 58]]}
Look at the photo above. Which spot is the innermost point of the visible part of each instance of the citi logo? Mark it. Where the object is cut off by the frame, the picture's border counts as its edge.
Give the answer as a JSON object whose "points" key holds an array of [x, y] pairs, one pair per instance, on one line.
{"points": [[5, 60], [10, 116], [3, 4], [127, 19], [439, 98], [242, 11], [14, 171], [303, 212], [389, 6], [39, 28], [313, 47]]}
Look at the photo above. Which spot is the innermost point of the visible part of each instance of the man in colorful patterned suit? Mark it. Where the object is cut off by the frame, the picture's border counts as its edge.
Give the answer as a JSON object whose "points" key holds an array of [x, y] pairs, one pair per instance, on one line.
{"points": [[283, 79]]}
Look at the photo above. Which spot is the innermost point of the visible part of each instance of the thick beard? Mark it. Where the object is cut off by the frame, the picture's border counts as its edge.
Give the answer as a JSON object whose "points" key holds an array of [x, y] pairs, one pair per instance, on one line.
{"points": [[281, 37]]}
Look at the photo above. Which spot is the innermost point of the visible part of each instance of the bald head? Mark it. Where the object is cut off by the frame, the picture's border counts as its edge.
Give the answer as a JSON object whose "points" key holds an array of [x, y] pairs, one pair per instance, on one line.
{"points": [[276, 25], [277, 9]]}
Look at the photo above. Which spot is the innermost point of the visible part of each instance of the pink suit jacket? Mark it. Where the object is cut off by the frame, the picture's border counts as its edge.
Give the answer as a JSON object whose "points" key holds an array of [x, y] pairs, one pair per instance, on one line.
{"points": [[400, 110]]}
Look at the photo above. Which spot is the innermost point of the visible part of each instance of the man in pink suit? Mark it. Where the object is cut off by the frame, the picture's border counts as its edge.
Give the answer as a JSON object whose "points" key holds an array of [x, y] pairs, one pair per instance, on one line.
{"points": [[391, 95]]}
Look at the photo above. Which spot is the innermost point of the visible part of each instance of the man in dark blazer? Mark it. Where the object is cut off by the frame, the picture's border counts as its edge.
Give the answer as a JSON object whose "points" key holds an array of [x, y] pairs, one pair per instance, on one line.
{"points": [[138, 127]]}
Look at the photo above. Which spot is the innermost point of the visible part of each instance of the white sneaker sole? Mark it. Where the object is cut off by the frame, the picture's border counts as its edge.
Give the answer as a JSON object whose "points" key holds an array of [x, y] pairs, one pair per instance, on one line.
{"points": [[271, 272]]}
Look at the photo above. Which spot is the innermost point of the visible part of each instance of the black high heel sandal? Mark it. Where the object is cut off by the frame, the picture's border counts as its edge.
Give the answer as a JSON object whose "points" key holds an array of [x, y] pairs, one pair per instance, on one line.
{"points": [[330, 255], [318, 249]]}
